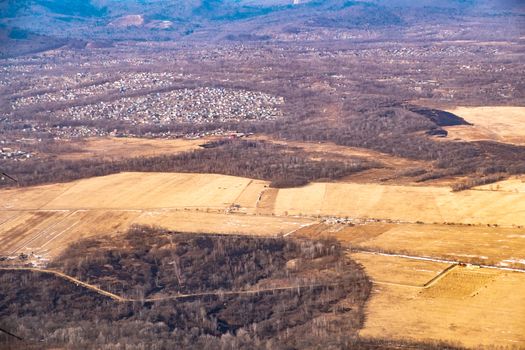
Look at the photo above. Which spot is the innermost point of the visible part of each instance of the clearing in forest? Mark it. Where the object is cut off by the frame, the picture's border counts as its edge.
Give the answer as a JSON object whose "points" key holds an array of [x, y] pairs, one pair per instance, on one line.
{"points": [[502, 124], [116, 148]]}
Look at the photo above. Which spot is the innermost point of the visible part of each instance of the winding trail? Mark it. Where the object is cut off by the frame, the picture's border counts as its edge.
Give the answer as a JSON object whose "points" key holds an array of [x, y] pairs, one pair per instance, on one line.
{"points": [[119, 298], [69, 279]]}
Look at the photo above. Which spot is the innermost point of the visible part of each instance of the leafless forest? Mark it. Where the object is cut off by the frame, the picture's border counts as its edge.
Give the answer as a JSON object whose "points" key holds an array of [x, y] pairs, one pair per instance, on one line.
{"points": [[297, 93]]}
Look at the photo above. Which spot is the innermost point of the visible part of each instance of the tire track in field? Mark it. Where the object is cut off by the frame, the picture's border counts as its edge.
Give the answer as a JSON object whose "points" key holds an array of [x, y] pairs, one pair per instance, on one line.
{"points": [[39, 234]]}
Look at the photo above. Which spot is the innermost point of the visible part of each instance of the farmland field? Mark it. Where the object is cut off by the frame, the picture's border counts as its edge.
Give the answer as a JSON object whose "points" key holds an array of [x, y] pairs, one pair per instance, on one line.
{"points": [[481, 244], [277, 174], [208, 191], [156, 190], [399, 271], [403, 203], [433, 300], [46, 233], [472, 307]]}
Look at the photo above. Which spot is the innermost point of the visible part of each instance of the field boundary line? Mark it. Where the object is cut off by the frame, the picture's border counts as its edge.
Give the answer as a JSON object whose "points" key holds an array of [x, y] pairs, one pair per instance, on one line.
{"points": [[60, 233], [440, 276], [426, 258], [297, 229], [9, 219], [396, 284]]}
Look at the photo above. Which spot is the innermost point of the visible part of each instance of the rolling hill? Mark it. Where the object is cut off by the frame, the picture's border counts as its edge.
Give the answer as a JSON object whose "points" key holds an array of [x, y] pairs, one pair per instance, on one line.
{"points": [[161, 20]]}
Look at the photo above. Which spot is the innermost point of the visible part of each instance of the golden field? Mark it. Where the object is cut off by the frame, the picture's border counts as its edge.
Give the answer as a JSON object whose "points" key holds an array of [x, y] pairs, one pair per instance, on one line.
{"points": [[502, 124], [467, 306], [403, 203], [209, 191], [411, 296], [114, 148]]}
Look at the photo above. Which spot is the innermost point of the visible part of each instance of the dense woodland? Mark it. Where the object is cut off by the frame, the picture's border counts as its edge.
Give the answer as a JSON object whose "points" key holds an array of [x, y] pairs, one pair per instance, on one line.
{"points": [[48, 312], [158, 263], [161, 262]]}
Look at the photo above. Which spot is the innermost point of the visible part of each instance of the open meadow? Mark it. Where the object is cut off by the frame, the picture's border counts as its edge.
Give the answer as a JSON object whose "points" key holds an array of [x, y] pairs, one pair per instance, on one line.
{"points": [[403, 203], [114, 148], [502, 124]]}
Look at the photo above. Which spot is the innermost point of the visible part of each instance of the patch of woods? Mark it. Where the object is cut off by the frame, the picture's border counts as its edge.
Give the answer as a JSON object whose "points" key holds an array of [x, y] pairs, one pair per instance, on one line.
{"points": [[49, 312], [283, 166], [392, 129], [150, 263], [480, 181]]}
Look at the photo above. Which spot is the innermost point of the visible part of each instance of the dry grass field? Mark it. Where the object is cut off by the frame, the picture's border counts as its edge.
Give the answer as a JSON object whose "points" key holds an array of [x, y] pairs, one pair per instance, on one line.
{"points": [[480, 244], [47, 233], [503, 124], [473, 307], [202, 222], [208, 192], [415, 298], [151, 190], [399, 271], [44, 219], [403, 203], [353, 235], [115, 148], [513, 185], [31, 198]]}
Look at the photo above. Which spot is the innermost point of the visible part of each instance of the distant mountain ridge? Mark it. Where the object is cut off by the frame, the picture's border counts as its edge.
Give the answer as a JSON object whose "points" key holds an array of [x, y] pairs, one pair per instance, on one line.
{"points": [[170, 20]]}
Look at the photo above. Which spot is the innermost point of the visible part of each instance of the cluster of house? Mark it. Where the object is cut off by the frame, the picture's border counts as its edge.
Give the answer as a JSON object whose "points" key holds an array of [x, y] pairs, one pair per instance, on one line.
{"points": [[201, 105], [101, 87]]}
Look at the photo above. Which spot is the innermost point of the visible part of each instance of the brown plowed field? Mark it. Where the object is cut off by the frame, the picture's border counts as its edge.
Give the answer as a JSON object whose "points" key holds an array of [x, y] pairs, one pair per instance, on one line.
{"points": [[26, 228]]}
